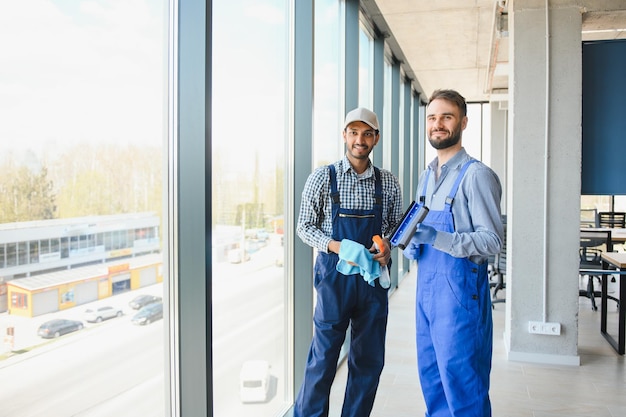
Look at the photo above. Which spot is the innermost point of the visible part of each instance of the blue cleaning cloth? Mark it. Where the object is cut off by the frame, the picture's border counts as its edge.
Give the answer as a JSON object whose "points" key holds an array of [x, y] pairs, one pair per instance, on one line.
{"points": [[354, 258]]}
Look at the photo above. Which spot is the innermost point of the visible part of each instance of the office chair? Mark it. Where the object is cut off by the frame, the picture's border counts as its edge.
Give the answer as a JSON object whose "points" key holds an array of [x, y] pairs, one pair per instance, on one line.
{"points": [[497, 269], [612, 219], [589, 218], [592, 244]]}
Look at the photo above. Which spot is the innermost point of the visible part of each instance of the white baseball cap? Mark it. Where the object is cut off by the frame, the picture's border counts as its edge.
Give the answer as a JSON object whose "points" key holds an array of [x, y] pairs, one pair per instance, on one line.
{"points": [[362, 115]]}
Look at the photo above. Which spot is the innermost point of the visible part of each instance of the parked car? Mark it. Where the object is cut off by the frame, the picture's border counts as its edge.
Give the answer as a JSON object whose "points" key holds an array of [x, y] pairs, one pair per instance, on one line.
{"points": [[148, 314], [96, 315], [57, 327], [143, 300], [254, 381]]}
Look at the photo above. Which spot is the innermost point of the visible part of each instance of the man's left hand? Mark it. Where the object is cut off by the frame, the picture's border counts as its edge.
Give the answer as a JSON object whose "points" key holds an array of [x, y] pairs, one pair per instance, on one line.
{"points": [[424, 234]]}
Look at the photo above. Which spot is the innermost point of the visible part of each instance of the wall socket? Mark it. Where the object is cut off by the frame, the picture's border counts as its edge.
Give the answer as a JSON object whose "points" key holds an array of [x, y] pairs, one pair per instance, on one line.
{"points": [[540, 327]]}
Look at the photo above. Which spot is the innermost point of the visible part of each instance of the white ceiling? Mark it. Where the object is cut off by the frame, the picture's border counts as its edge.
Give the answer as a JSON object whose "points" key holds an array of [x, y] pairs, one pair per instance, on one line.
{"points": [[456, 44]]}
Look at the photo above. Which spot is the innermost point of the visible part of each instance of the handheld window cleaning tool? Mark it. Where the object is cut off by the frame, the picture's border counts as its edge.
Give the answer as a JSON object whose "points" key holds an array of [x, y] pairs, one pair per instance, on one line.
{"points": [[414, 215]]}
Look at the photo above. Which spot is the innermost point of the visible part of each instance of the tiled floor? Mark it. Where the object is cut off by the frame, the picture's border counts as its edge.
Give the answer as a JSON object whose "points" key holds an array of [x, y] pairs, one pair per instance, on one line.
{"points": [[595, 388]]}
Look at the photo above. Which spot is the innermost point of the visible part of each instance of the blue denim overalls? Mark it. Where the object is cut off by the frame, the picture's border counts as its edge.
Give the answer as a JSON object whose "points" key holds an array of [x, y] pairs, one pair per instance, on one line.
{"points": [[454, 325], [343, 300]]}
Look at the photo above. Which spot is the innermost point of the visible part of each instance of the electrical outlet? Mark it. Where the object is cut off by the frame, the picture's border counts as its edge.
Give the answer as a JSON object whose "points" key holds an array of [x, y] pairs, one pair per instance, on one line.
{"points": [[540, 327]]}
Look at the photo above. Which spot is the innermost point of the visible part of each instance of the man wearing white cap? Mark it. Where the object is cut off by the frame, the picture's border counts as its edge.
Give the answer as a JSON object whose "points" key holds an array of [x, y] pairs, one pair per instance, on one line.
{"points": [[352, 200]]}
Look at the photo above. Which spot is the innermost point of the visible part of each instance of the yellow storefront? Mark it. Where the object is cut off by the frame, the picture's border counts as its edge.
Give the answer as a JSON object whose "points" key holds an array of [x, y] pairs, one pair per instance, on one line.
{"points": [[60, 290]]}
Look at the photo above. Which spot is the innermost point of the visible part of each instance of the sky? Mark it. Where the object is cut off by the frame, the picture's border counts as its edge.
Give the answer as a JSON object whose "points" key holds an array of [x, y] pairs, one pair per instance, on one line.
{"points": [[82, 71], [95, 71]]}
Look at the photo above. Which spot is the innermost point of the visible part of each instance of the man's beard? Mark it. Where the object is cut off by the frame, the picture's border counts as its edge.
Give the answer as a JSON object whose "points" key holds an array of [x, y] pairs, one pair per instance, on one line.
{"points": [[451, 140]]}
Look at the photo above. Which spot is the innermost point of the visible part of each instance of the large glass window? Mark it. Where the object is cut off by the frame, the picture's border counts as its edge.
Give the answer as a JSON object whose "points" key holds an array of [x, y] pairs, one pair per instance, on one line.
{"points": [[591, 205], [328, 88], [473, 135], [366, 69], [11, 254], [250, 89], [83, 126]]}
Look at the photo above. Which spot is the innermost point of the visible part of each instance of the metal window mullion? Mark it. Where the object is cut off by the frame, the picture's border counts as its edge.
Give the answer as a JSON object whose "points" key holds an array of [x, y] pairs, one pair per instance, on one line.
{"points": [[299, 163], [351, 55], [189, 260]]}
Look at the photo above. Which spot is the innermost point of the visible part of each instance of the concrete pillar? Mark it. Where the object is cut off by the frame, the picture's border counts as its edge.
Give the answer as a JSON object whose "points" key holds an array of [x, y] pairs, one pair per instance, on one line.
{"points": [[543, 180]]}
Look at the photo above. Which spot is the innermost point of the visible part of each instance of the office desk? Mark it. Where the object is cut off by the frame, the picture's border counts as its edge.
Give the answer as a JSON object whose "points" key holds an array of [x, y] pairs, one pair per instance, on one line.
{"points": [[618, 235], [614, 260]]}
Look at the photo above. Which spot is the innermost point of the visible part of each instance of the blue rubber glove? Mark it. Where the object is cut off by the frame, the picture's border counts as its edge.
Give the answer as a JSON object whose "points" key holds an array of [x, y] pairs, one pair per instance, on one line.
{"points": [[424, 234], [412, 251]]}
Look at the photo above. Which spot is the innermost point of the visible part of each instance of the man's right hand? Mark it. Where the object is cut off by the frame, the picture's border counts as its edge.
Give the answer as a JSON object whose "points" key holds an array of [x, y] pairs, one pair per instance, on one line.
{"points": [[334, 246]]}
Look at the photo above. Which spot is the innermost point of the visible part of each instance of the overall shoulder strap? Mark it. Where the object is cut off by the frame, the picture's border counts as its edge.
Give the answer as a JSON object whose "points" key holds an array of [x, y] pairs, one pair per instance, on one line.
{"points": [[378, 187], [423, 194], [457, 182], [334, 193]]}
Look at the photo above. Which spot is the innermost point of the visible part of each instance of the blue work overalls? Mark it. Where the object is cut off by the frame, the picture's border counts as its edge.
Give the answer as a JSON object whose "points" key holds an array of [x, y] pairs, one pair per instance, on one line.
{"points": [[454, 325], [343, 300]]}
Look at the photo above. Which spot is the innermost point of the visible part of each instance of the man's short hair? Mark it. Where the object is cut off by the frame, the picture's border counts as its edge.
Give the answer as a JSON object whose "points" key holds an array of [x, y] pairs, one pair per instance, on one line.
{"points": [[451, 96]]}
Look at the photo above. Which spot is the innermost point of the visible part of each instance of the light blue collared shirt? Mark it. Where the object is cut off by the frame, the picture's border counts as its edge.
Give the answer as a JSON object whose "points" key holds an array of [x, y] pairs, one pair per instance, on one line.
{"points": [[478, 229]]}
